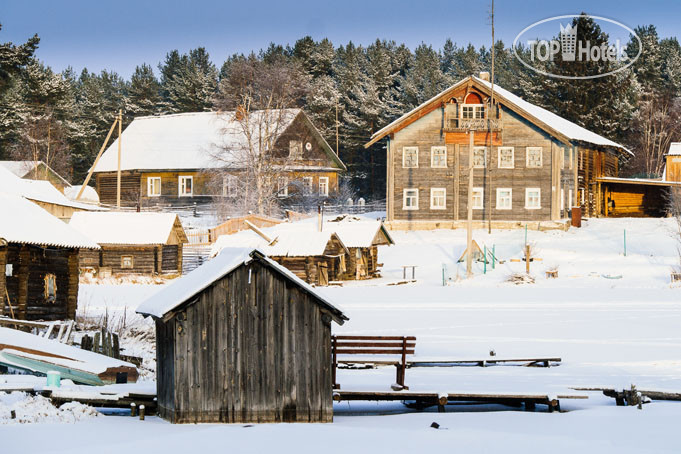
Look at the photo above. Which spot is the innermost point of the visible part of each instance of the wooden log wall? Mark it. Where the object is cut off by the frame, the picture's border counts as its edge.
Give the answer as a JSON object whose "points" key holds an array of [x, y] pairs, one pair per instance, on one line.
{"points": [[171, 256], [145, 258], [251, 348], [130, 188]]}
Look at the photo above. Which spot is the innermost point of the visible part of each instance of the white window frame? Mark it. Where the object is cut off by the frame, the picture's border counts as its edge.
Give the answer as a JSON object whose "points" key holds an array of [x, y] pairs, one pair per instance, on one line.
{"points": [[414, 206], [477, 109], [150, 186], [229, 185], [442, 149], [324, 186], [527, 198], [582, 195], [404, 157], [433, 196], [499, 150], [562, 199], [527, 157], [484, 157], [510, 199], [569, 201], [182, 186], [308, 185], [481, 205], [282, 186]]}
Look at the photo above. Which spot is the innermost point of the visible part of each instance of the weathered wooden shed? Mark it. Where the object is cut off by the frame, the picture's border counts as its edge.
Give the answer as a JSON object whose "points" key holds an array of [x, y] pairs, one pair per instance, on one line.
{"points": [[362, 238], [132, 243], [242, 339], [38, 262]]}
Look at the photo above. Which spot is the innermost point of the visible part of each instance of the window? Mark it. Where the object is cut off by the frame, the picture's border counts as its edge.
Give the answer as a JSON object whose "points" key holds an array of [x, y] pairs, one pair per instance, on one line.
{"points": [[504, 196], [229, 188], [505, 157], [324, 186], [51, 288], [282, 187], [479, 157], [295, 149], [186, 186], [567, 158], [438, 198], [534, 157], [410, 199], [532, 198], [569, 204], [307, 184], [582, 195], [127, 262], [410, 157], [154, 186], [562, 199], [472, 111], [478, 198], [438, 157]]}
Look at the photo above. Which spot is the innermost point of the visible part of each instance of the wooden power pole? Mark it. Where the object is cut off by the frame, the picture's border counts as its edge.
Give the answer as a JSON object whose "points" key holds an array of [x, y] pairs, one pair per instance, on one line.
{"points": [[99, 155], [491, 111], [337, 140], [469, 224], [118, 173]]}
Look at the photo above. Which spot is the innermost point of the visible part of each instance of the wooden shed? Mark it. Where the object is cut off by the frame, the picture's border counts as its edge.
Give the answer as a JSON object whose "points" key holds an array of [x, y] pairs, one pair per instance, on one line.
{"points": [[132, 243], [38, 262], [362, 239], [241, 340]]}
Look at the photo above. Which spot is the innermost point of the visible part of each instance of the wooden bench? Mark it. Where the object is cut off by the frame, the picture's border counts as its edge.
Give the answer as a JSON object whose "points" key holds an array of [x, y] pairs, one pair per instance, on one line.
{"points": [[400, 346]]}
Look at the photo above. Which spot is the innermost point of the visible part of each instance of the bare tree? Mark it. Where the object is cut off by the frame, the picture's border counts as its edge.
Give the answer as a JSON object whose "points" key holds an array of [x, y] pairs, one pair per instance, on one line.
{"points": [[256, 102]]}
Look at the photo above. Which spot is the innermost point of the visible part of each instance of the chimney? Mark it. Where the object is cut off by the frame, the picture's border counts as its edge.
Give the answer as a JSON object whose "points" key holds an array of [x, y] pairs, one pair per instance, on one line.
{"points": [[484, 75]]}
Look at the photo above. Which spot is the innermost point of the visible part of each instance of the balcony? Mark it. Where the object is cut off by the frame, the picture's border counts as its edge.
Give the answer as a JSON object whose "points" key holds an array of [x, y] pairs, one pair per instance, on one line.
{"points": [[466, 124]]}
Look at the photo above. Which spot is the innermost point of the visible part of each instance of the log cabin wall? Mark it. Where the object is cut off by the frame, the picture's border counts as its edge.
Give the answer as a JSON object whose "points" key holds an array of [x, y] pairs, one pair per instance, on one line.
{"points": [[107, 187], [252, 348], [634, 200], [594, 164], [146, 259], [26, 285], [674, 168]]}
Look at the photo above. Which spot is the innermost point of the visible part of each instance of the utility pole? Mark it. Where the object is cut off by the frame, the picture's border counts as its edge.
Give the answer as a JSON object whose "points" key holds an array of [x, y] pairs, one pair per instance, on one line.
{"points": [[118, 174], [491, 111], [337, 124], [99, 155], [469, 224]]}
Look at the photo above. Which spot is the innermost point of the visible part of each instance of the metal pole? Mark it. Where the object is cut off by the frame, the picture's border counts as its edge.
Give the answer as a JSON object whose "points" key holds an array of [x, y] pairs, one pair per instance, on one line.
{"points": [[494, 255]]}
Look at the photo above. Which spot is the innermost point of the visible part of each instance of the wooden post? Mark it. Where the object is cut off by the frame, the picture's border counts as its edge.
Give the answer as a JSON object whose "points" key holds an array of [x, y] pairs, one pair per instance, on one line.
{"points": [[99, 155], [141, 412], [3, 280], [72, 295], [118, 172], [491, 138], [22, 294], [334, 361], [527, 258], [469, 225]]}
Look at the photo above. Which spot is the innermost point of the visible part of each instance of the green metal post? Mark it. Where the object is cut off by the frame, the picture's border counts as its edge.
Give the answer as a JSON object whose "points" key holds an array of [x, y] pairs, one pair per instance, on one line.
{"points": [[494, 255]]}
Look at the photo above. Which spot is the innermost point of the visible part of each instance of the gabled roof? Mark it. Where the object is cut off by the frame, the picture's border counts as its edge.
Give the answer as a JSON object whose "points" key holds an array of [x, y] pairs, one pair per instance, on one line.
{"points": [[189, 141], [360, 233], [22, 169], [38, 190], [184, 289], [25, 222], [126, 227], [557, 126], [292, 240]]}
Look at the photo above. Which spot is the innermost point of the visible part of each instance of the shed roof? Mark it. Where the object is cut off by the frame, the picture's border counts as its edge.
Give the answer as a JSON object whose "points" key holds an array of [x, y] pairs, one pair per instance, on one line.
{"points": [[550, 122], [185, 288], [355, 232], [189, 141], [127, 227], [25, 222]]}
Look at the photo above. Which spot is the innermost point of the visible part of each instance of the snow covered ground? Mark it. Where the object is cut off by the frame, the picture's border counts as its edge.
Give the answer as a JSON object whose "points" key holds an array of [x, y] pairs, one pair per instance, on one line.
{"points": [[609, 332]]}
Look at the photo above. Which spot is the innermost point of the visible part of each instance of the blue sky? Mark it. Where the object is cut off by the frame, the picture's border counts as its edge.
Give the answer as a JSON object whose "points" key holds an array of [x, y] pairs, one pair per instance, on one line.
{"points": [[120, 35]]}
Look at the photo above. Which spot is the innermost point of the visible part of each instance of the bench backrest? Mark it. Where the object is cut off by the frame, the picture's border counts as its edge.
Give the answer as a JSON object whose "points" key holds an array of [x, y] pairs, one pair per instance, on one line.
{"points": [[373, 345]]}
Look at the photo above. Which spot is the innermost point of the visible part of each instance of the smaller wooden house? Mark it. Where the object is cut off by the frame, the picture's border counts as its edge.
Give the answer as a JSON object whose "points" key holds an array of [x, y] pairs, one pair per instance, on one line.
{"points": [[36, 170], [38, 262], [132, 243], [315, 257], [362, 238], [242, 340]]}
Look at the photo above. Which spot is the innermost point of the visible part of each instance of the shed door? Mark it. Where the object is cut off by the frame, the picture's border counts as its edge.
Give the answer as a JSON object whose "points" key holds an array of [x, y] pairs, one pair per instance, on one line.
{"points": [[323, 274], [169, 259]]}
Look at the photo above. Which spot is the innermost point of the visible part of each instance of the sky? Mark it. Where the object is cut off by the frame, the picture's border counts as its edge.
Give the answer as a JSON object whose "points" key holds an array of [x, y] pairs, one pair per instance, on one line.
{"points": [[120, 35]]}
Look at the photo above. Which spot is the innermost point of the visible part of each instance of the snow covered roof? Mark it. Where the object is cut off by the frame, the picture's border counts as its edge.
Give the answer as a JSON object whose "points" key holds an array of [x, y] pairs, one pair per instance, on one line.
{"points": [[89, 194], [23, 168], [675, 149], [186, 141], [183, 289], [354, 232], [126, 227], [298, 239], [37, 190], [543, 118], [25, 222]]}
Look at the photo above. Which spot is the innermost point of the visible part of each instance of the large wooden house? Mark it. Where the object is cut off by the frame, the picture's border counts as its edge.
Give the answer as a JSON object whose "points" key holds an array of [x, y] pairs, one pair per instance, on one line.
{"points": [[242, 340], [528, 163], [132, 243], [38, 262], [174, 159]]}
